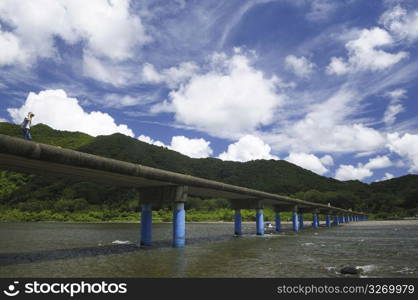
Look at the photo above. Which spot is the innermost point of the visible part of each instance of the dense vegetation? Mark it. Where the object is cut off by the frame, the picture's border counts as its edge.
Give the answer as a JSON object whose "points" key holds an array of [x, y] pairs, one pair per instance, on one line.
{"points": [[28, 197]]}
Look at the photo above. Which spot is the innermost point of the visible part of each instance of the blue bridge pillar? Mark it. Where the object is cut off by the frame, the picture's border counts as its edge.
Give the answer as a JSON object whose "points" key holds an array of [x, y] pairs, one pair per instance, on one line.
{"points": [[237, 224], [300, 221], [179, 225], [146, 225], [278, 221], [175, 195], [295, 220], [328, 221], [314, 220], [259, 219], [335, 220]]}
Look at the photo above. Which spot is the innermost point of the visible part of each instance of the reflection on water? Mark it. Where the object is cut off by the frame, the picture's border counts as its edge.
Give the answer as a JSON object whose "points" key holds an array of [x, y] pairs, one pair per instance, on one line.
{"points": [[110, 250]]}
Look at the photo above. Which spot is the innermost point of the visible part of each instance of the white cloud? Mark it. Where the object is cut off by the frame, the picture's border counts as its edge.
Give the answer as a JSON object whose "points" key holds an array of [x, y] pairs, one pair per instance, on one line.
{"points": [[301, 66], [327, 128], [247, 148], [387, 177], [364, 53], [391, 112], [113, 100], [107, 30], [402, 24], [349, 172], [321, 10], [395, 107], [149, 140], [338, 66], [308, 161], [195, 148], [405, 146], [122, 101], [150, 74], [231, 100], [56, 109], [106, 71], [172, 77], [378, 162], [3, 120], [11, 51], [327, 160]]}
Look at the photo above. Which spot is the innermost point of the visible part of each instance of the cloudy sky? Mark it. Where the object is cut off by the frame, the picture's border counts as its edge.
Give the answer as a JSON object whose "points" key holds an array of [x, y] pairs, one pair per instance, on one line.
{"points": [[328, 85]]}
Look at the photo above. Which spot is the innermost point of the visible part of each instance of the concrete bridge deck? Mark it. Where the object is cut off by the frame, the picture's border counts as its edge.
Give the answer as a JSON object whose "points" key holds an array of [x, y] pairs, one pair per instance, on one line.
{"points": [[156, 186]]}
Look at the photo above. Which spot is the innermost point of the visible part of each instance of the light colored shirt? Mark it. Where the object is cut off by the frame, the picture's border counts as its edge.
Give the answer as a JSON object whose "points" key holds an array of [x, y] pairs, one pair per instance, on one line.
{"points": [[27, 123]]}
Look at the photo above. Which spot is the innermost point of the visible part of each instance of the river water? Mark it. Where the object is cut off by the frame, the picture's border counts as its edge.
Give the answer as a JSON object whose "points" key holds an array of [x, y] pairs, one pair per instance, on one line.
{"points": [[380, 249]]}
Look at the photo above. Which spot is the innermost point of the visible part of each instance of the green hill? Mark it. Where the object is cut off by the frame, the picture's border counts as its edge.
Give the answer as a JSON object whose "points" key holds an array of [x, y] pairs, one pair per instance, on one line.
{"points": [[395, 197]]}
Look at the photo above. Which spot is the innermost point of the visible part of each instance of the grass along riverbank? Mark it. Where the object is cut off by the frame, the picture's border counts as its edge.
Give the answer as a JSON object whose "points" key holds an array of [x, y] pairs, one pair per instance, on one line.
{"points": [[106, 215], [163, 215]]}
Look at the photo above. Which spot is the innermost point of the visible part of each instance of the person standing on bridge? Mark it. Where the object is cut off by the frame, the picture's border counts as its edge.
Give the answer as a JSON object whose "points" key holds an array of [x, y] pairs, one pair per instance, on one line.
{"points": [[27, 122]]}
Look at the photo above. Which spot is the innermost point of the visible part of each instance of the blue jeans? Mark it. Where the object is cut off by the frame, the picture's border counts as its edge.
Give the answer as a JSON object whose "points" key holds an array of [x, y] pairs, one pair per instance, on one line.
{"points": [[26, 134]]}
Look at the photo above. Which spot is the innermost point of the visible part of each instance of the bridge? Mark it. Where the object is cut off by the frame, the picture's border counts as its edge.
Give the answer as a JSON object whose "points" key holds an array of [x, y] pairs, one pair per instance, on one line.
{"points": [[157, 187]]}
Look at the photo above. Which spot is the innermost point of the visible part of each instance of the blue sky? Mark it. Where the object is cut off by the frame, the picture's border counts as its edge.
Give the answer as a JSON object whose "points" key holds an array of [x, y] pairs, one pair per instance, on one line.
{"points": [[327, 85]]}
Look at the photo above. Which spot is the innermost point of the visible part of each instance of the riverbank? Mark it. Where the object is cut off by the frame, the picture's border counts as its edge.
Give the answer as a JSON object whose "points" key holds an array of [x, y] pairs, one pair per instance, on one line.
{"points": [[112, 216], [159, 216]]}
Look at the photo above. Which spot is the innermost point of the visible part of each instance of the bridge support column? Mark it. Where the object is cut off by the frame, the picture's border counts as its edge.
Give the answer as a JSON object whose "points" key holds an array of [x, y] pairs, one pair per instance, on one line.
{"points": [[328, 221], [237, 222], [179, 225], [300, 221], [314, 220], [278, 222], [295, 220], [159, 196], [335, 220], [146, 225], [259, 219]]}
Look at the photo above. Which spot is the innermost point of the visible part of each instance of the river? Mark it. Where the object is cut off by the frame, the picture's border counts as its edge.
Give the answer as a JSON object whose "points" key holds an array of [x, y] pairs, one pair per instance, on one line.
{"points": [[379, 248]]}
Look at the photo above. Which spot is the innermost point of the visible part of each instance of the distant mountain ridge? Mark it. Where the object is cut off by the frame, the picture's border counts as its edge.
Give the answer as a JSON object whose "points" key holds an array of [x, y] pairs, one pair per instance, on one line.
{"points": [[276, 176]]}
